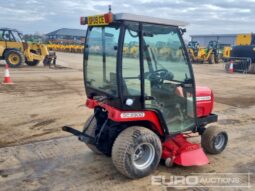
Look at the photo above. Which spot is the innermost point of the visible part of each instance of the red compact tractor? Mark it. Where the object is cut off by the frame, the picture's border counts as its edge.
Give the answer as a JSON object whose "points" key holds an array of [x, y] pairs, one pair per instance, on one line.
{"points": [[145, 103]]}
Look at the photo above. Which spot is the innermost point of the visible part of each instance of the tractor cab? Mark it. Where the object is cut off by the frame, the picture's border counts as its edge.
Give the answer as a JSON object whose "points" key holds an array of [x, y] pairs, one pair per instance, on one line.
{"points": [[7, 34], [214, 46], [134, 64], [141, 86], [11, 38]]}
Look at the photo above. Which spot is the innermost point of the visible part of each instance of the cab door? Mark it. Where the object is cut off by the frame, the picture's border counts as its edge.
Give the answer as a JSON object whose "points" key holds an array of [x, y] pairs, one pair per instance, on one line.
{"points": [[168, 77], [131, 73]]}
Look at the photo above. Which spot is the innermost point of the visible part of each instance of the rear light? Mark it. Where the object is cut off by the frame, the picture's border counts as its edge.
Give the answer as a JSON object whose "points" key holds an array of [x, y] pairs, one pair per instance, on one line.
{"points": [[83, 20]]}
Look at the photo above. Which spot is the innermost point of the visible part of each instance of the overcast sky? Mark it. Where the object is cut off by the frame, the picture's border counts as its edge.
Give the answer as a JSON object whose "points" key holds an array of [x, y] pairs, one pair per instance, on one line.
{"points": [[215, 16]]}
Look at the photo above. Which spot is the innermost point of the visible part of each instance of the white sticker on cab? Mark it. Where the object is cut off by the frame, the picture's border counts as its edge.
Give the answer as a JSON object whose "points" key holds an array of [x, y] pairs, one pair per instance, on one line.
{"points": [[132, 115]]}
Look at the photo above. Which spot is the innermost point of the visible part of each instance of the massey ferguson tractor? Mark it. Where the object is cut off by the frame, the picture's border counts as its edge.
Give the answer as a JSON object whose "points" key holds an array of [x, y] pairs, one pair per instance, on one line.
{"points": [[145, 107]]}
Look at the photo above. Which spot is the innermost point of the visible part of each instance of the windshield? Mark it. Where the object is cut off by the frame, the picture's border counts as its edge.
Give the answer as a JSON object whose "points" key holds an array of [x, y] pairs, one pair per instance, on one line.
{"points": [[17, 36], [100, 59]]}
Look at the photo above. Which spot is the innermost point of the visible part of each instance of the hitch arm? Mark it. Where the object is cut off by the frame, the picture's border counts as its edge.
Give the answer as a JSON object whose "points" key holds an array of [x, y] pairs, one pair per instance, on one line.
{"points": [[72, 131], [81, 136]]}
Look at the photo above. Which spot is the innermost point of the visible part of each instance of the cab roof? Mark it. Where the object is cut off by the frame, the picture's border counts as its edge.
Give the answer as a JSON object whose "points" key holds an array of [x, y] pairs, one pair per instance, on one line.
{"points": [[147, 19], [9, 29]]}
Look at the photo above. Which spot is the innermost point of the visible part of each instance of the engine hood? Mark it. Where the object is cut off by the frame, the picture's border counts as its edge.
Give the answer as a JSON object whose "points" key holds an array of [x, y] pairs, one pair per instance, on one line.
{"points": [[204, 101]]}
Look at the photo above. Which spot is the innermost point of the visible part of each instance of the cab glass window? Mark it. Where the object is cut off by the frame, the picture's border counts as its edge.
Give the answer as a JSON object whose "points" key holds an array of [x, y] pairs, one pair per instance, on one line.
{"points": [[101, 57], [130, 61], [16, 36], [168, 81], [6, 35], [1, 35]]}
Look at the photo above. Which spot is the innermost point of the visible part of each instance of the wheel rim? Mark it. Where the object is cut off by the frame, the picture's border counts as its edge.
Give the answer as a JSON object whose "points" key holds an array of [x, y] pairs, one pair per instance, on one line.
{"points": [[219, 141], [143, 156], [13, 59]]}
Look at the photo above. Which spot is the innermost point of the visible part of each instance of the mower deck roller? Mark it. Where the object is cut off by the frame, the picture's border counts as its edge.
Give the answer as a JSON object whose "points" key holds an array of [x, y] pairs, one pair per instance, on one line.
{"points": [[144, 102]]}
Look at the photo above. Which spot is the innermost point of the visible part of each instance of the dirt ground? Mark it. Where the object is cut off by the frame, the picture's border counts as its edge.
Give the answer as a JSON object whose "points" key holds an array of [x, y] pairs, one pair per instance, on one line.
{"points": [[36, 155]]}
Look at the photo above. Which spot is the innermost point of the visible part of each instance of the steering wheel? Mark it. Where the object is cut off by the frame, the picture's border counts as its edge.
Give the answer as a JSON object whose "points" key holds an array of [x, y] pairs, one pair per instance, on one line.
{"points": [[158, 76]]}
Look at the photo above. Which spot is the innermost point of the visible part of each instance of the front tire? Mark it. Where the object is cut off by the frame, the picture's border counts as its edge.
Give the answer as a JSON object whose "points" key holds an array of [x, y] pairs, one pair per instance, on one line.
{"points": [[212, 59], [136, 152], [14, 58], [214, 140]]}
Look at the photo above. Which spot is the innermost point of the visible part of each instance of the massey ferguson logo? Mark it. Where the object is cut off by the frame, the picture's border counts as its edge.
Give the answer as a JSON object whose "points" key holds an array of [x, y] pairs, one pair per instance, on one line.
{"points": [[132, 115]]}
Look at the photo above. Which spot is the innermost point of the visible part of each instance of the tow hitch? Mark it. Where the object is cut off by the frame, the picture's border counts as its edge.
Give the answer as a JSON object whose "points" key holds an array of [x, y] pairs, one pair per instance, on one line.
{"points": [[81, 136]]}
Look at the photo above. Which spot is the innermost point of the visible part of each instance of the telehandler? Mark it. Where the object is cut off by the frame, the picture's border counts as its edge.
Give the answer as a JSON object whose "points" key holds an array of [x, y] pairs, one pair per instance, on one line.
{"points": [[16, 51], [145, 107], [242, 55], [209, 54]]}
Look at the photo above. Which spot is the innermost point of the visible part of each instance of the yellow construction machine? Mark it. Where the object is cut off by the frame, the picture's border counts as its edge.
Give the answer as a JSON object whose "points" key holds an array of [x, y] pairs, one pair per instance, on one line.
{"points": [[226, 53], [16, 51], [202, 55], [131, 50], [242, 55]]}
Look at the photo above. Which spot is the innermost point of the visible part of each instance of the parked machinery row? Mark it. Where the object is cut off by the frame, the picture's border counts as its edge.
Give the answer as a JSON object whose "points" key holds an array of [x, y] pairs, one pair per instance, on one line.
{"points": [[199, 54], [66, 48]]}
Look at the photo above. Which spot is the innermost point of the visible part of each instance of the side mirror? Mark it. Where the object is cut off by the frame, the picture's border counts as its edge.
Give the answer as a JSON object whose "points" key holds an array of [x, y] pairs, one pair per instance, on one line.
{"points": [[183, 30]]}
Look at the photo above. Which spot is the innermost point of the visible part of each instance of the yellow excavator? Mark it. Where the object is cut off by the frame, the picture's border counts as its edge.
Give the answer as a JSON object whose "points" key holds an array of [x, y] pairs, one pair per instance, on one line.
{"points": [[202, 55], [16, 51], [242, 55]]}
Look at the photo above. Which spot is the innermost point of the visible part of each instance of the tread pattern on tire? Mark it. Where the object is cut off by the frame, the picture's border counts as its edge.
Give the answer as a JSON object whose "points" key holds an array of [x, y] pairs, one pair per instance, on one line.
{"points": [[207, 139], [122, 144], [22, 58], [211, 59]]}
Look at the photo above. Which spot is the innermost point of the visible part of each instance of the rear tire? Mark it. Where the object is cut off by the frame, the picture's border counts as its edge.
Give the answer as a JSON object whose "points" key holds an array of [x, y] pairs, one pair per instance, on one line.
{"points": [[212, 59], [226, 67], [214, 140], [136, 152], [14, 58], [91, 132], [33, 63], [217, 59]]}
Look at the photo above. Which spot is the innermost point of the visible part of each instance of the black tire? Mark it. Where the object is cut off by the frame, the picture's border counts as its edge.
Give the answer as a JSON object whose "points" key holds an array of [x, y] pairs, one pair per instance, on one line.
{"points": [[210, 140], [212, 59], [47, 61], [251, 69], [217, 59], [91, 131], [130, 141], [14, 58], [226, 67], [33, 63]]}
